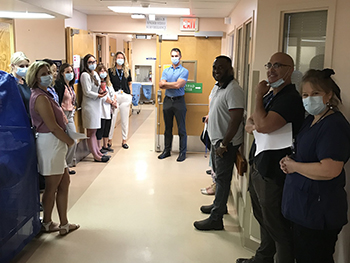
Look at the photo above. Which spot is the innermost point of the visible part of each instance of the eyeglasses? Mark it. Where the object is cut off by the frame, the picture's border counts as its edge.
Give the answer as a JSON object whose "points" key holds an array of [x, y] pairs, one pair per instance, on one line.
{"points": [[91, 62], [275, 65]]}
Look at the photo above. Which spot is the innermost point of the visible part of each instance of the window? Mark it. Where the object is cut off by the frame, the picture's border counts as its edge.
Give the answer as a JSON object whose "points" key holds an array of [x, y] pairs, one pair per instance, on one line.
{"points": [[304, 38]]}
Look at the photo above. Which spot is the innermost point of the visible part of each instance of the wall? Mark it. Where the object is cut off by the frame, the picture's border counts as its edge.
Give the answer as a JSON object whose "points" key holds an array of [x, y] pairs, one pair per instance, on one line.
{"points": [[125, 24], [79, 20], [40, 38]]}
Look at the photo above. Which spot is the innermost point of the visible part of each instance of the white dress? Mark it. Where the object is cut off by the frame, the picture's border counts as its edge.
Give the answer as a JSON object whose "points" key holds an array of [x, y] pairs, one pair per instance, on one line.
{"points": [[91, 103]]}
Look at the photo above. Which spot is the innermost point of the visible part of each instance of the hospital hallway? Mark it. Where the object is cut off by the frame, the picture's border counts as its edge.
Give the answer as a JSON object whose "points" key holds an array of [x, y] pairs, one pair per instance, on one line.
{"points": [[137, 209]]}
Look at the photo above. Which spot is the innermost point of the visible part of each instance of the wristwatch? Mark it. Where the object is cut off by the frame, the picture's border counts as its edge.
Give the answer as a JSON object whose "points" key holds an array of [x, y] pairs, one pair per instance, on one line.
{"points": [[222, 146]]}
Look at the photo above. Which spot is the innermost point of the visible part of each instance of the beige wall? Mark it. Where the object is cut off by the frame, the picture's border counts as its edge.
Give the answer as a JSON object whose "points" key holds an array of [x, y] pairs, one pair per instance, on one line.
{"points": [[40, 39], [125, 24]]}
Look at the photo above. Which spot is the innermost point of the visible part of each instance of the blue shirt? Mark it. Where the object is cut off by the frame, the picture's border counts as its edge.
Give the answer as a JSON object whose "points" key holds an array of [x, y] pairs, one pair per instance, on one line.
{"points": [[319, 204], [172, 74]]}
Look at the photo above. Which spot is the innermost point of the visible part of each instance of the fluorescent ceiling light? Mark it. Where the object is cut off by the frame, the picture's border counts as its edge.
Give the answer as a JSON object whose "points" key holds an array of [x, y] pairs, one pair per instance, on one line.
{"points": [[150, 10], [7, 14], [138, 16], [314, 40]]}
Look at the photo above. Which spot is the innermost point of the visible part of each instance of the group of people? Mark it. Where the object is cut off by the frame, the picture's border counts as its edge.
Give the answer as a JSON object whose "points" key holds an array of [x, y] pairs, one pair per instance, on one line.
{"points": [[50, 101], [297, 192]]}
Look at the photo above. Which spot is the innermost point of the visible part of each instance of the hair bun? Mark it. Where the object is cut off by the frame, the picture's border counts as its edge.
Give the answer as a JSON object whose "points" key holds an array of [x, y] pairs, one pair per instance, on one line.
{"points": [[328, 72]]}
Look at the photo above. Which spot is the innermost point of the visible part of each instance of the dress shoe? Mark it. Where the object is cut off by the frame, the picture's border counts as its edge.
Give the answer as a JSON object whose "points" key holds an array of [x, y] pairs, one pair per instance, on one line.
{"points": [[181, 158], [104, 159], [71, 171], [103, 150], [108, 149], [209, 224], [247, 260], [206, 209], [164, 155], [125, 146]]}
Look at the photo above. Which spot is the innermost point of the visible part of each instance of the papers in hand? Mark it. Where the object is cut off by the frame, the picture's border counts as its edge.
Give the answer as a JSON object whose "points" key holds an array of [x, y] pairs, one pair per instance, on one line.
{"points": [[76, 135], [279, 139]]}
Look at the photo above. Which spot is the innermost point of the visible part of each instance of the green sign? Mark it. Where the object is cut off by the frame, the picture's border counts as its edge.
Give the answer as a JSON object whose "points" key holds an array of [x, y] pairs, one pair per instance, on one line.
{"points": [[193, 88]]}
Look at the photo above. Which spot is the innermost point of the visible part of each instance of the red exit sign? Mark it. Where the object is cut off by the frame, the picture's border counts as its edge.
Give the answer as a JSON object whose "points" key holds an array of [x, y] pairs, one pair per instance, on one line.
{"points": [[189, 24]]}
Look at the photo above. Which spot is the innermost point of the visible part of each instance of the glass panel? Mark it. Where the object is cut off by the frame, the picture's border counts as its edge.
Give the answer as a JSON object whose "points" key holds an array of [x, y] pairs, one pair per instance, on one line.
{"points": [[247, 59], [305, 38]]}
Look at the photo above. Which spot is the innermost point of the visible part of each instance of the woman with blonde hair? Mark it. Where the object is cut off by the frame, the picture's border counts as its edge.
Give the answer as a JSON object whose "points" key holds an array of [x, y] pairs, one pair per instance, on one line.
{"points": [[19, 66], [108, 103], [120, 76], [52, 144]]}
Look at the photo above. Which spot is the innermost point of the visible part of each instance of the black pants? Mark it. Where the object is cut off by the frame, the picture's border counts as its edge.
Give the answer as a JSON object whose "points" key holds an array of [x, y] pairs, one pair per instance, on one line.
{"points": [[314, 246], [103, 132], [275, 230], [175, 107], [223, 168]]}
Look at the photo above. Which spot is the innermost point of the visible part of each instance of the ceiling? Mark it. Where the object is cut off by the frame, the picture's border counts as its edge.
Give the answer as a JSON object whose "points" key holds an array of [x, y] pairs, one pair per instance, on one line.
{"points": [[199, 8]]}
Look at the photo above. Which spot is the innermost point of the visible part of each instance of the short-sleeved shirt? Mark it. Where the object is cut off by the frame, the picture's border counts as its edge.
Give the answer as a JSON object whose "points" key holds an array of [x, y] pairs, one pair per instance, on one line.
{"points": [[224, 99], [288, 104], [119, 81], [319, 204], [172, 74]]}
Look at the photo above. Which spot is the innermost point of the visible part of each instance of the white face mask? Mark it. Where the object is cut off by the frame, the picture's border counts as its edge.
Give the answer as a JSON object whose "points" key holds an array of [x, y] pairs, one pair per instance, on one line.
{"points": [[92, 66], [120, 61], [276, 84], [103, 75], [22, 72], [314, 105], [69, 76], [45, 81], [175, 60]]}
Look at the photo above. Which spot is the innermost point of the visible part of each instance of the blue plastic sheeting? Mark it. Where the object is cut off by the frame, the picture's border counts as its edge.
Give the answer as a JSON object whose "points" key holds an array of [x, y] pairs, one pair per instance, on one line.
{"points": [[147, 91], [136, 93], [19, 189]]}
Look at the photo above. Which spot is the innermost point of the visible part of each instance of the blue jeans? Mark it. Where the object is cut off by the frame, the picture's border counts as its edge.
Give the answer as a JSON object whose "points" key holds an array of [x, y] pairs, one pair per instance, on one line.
{"points": [[223, 168], [175, 107]]}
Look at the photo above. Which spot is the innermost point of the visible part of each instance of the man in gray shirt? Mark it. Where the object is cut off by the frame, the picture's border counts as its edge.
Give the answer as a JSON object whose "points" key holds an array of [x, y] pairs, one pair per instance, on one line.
{"points": [[226, 135]]}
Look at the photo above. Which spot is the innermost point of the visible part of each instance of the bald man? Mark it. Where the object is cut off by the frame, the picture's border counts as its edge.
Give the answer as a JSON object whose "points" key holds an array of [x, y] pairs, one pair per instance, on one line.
{"points": [[277, 103]]}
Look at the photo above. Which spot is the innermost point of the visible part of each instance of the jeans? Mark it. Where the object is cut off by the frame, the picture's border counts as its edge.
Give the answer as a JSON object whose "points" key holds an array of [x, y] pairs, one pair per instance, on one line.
{"points": [[223, 168], [275, 230], [175, 107]]}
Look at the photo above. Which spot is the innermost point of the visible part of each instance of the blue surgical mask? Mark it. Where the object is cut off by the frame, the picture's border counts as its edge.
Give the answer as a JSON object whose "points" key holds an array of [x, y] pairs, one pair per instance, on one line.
{"points": [[276, 84], [314, 105], [175, 60], [45, 81], [103, 75], [22, 72], [92, 66], [120, 61], [69, 76]]}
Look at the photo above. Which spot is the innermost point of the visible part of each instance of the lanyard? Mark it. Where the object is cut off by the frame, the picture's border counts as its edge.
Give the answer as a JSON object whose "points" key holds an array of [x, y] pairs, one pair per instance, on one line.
{"points": [[120, 75]]}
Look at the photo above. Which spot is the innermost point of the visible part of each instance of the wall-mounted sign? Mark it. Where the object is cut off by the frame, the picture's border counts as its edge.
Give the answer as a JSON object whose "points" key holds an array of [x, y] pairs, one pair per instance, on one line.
{"points": [[193, 87], [188, 24], [159, 23]]}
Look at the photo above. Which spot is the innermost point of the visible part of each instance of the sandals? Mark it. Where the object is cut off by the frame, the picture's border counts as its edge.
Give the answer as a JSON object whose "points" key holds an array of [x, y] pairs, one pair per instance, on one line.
{"points": [[67, 228], [49, 227]]}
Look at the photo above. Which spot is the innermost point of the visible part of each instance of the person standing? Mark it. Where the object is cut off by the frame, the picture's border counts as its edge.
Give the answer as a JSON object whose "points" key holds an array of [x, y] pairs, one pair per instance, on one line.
{"points": [[173, 81], [64, 87], [314, 198], [226, 135], [19, 66], [273, 110], [49, 121], [91, 105]]}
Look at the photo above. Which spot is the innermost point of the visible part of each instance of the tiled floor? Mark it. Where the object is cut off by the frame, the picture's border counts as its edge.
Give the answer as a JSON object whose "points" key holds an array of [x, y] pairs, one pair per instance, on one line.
{"points": [[138, 209]]}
